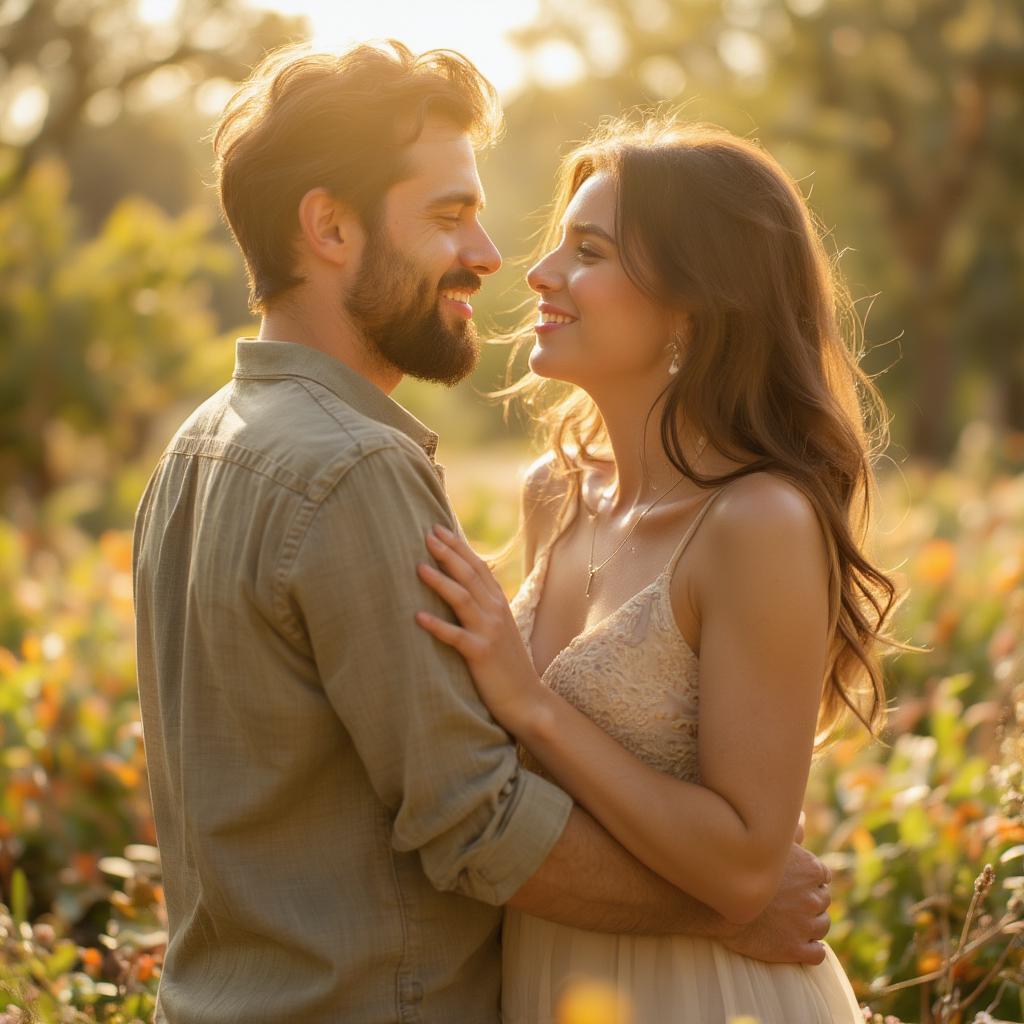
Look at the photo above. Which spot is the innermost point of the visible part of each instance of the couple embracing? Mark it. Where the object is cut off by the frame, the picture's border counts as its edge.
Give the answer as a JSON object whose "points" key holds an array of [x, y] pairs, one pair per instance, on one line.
{"points": [[383, 794]]}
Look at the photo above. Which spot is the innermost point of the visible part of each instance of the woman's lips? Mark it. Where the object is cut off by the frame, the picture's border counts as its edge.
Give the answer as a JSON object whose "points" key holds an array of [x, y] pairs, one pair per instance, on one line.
{"points": [[543, 328], [547, 309]]}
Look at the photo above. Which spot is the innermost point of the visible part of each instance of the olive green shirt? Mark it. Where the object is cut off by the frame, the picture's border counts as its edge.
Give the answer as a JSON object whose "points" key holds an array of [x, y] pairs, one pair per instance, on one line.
{"points": [[339, 817]]}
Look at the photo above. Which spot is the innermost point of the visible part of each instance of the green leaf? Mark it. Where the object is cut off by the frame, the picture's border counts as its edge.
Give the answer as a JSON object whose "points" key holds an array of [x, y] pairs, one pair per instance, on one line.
{"points": [[21, 898], [62, 959], [915, 828]]}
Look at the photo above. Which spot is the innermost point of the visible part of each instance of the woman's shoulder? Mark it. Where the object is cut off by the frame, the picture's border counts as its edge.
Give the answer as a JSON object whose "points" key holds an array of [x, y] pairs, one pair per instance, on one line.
{"points": [[543, 483], [545, 487], [764, 521], [549, 490]]}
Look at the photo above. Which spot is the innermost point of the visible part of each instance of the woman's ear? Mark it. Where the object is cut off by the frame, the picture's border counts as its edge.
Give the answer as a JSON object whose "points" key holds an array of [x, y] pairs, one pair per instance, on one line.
{"points": [[682, 326], [330, 229]]}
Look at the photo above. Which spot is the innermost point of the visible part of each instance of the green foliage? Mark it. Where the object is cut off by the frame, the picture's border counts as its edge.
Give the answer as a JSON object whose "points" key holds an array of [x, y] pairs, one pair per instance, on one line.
{"points": [[99, 335], [908, 827], [47, 977], [72, 763]]}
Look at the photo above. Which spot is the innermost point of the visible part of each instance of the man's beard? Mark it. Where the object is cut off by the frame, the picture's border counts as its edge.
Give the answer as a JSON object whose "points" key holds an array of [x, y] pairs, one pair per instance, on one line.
{"points": [[396, 308]]}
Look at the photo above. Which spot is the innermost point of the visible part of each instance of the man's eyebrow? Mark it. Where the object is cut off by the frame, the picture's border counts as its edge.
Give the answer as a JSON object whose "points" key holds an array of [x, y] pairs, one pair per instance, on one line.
{"points": [[591, 229], [457, 199]]}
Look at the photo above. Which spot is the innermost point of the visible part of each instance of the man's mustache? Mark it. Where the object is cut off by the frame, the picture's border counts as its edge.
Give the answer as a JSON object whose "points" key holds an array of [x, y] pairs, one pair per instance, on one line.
{"points": [[460, 280]]}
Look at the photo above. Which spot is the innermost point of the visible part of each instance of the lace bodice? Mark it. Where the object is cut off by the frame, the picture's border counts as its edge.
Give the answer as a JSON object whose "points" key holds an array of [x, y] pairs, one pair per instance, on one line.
{"points": [[633, 673]]}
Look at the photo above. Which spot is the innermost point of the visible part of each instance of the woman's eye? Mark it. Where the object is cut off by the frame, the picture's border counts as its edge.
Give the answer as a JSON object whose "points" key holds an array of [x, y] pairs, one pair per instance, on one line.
{"points": [[585, 252], [450, 220]]}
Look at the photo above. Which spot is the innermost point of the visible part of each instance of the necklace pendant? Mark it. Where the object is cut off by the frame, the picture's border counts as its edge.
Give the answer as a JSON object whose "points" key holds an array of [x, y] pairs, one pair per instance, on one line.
{"points": [[590, 579]]}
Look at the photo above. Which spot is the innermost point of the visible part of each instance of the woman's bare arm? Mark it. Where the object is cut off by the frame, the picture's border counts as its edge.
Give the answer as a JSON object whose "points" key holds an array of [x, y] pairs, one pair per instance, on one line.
{"points": [[590, 881], [763, 614]]}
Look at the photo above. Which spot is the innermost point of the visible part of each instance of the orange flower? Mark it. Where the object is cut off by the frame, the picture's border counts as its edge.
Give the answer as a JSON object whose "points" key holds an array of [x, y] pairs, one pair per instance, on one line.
{"points": [[936, 562], [945, 625], [116, 547], [928, 962], [8, 662], [48, 707], [862, 840], [144, 969], [93, 961], [1009, 831], [85, 865], [969, 810], [31, 648], [1007, 575]]}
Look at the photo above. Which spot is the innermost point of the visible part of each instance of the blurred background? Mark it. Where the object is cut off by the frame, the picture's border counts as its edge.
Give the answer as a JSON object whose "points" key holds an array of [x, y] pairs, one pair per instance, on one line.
{"points": [[121, 296]]}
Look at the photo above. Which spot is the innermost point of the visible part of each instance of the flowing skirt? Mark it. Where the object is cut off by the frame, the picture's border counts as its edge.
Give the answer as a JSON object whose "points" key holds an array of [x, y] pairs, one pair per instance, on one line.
{"points": [[664, 979]]}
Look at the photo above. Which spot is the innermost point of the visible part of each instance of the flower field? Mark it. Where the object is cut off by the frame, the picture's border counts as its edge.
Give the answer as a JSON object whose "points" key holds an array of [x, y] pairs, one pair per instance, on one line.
{"points": [[925, 930]]}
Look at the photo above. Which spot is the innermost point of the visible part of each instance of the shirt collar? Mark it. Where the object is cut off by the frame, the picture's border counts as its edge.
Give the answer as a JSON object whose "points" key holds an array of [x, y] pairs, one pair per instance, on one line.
{"points": [[258, 358]]}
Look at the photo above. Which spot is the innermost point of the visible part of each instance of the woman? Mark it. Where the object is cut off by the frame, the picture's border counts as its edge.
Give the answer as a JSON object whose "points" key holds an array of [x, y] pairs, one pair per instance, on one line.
{"points": [[697, 614]]}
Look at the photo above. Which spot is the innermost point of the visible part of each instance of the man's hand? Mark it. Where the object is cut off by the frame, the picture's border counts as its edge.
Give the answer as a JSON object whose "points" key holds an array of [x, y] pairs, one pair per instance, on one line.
{"points": [[789, 930]]}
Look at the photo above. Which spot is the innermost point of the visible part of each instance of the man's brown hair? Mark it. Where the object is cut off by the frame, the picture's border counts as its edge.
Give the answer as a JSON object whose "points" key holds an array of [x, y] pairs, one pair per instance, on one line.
{"points": [[342, 122]]}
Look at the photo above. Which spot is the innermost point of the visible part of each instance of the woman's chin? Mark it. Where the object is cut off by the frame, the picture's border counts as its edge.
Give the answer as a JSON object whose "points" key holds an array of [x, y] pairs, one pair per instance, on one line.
{"points": [[546, 364]]}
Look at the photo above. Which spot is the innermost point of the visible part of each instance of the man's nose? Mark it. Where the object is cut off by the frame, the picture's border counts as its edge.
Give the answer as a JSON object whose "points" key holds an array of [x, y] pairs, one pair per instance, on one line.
{"points": [[482, 255]]}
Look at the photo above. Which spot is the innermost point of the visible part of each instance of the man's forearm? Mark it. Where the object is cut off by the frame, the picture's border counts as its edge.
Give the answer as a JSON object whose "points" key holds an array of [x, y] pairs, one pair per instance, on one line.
{"points": [[589, 881]]}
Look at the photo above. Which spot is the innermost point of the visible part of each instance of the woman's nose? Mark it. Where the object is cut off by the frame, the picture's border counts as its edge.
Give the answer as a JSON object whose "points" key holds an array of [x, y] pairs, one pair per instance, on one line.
{"points": [[542, 276]]}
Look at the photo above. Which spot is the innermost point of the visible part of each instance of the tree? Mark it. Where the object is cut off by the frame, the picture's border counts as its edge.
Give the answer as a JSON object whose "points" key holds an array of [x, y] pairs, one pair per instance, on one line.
{"points": [[912, 111], [100, 336], [70, 58]]}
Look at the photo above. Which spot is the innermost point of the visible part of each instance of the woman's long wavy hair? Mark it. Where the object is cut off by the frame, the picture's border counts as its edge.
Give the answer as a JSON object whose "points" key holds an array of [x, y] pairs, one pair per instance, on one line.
{"points": [[711, 224]]}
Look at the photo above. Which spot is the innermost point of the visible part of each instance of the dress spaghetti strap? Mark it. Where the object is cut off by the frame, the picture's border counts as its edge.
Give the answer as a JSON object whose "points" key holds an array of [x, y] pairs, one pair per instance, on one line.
{"points": [[692, 529]]}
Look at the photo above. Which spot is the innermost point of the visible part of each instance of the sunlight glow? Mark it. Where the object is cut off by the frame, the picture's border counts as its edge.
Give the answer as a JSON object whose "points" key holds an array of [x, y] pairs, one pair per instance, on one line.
{"points": [[23, 106], [157, 11], [480, 31], [556, 63]]}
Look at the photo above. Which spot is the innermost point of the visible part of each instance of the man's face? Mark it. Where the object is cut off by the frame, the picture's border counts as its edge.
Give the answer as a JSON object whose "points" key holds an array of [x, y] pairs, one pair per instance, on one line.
{"points": [[424, 259]]}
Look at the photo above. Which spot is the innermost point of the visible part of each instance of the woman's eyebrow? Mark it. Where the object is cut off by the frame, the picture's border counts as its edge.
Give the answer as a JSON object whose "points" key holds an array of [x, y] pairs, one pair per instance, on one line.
{"points": [[589, 228]]}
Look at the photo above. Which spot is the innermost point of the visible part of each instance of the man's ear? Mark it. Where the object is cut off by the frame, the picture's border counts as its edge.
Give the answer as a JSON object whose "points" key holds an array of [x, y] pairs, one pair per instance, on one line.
{"points": [[331, 229]]}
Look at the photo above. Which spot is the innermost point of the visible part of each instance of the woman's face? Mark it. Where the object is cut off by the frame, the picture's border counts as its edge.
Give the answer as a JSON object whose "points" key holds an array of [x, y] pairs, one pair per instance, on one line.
{"points": [[594, 326]]}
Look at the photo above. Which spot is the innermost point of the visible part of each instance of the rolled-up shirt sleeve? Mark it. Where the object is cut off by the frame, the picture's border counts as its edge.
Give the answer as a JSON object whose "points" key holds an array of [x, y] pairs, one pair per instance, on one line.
{"points": [[434, 756]]}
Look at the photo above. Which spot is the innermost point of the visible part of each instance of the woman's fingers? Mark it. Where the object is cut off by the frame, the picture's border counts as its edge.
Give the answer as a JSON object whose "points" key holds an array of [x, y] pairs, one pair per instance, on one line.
{"points": [[446, 632], [461, 547], [457, 567], [462, 602]]}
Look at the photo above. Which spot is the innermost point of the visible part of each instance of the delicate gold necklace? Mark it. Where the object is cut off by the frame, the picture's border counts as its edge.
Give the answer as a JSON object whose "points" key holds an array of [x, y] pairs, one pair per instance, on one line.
{"points": [[593, 570]]}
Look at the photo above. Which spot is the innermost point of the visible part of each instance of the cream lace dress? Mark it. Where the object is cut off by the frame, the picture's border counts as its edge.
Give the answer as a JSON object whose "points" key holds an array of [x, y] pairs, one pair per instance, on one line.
{"points": [[636, 677]]}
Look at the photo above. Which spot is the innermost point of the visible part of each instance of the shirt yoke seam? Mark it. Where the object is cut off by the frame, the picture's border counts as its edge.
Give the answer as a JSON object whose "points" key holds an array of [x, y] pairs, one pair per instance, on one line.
{"points": [[394, 434], [313, 500], [196, 452]]}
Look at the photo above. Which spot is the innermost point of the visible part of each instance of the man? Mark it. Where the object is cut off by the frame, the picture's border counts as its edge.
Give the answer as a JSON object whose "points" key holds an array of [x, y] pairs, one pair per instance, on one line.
{"points": [[340, 820]]}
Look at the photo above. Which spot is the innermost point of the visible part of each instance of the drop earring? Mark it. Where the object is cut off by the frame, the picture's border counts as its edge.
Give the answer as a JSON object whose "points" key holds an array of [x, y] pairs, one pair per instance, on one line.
{"points": [[675, 365]]}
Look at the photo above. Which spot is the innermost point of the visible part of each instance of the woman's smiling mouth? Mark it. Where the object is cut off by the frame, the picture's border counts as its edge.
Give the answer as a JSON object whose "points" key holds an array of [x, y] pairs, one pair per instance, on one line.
{"points": [[551, 318]]}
